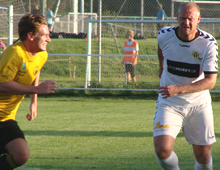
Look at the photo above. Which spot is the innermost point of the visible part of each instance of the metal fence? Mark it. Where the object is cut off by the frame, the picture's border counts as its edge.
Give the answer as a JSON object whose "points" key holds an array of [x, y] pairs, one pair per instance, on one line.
{"points": [[71, 15], [69, 72], [70, 25]]}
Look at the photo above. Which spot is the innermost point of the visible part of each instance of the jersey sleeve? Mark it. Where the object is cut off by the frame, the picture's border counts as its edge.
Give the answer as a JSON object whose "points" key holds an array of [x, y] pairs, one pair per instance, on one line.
{"points": [[210, 64], [160, 38], [9, 65]]}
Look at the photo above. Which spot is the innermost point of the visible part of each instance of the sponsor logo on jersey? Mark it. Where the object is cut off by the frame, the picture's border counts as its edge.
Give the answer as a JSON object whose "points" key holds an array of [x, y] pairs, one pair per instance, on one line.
{"points": [[183, 45], [159, 126], [24, 66], [183, 69], [36, 70], [196, 55]]}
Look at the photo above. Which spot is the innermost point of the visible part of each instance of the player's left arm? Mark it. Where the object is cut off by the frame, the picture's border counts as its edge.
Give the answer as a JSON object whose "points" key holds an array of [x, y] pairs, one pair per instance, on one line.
{"points": [[162, 18], [136, 54], [135, 59], [207, 83], [161, 61], [33, 104]]}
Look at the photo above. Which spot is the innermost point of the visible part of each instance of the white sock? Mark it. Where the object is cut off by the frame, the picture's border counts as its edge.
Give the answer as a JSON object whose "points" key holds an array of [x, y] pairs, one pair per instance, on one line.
{"points": [[170, 163], [199, 166]]}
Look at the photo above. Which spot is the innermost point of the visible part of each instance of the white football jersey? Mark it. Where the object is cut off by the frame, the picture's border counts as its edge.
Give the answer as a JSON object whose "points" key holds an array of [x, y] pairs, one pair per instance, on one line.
{"points": [[186, 62]]}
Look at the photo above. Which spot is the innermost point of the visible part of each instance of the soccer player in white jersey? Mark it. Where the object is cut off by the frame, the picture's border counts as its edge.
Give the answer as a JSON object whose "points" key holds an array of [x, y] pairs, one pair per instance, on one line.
{"points": [[188, 69]]}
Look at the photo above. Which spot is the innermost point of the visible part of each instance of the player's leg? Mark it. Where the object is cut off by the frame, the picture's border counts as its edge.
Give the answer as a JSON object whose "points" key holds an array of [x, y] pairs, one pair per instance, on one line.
{"points": [[17, 154], [134, 79], [128, 77], [203, 157], [133, 74], [199, 131], [129, 69], [167, 124], [19, 151], [126, 73], [165, 155], [13, 147], [163, 146]]}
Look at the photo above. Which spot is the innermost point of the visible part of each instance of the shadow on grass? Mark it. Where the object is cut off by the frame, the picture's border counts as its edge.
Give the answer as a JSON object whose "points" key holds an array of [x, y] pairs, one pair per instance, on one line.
{"points": [[103, 94], [89, 133]]}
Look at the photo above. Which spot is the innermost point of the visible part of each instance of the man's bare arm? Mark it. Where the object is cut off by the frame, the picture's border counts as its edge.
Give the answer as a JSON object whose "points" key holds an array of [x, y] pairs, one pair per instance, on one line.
{"points": [[33, 104], [13, 87], [160, 58], [207, 83]]}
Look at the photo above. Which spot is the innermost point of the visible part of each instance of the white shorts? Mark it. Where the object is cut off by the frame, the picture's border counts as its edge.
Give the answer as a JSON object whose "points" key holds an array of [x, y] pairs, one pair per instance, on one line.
{"points": [[195, 122]]}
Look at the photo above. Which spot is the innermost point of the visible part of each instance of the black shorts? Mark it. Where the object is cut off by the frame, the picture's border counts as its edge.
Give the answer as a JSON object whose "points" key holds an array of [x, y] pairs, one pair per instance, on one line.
{"points": [[159, 26], [9, 130], [129, 68]]}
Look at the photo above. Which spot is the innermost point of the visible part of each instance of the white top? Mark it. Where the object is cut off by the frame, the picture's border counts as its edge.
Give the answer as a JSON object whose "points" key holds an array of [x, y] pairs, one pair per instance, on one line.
{"points": [[129, 43], [185, 63]]}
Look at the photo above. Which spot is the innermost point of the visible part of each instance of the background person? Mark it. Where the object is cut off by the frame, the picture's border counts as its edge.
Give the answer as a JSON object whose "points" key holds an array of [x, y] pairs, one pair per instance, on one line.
{"points": [[49, 16], [188, 68], [2, 45], [36, 10], [130, 48], [160, 16], [20, 66]]}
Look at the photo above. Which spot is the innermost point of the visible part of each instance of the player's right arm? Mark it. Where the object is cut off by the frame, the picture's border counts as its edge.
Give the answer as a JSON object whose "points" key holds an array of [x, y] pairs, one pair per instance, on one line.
{"points": [[161, 59], [12, 87], [33, 104], [204, 84]]}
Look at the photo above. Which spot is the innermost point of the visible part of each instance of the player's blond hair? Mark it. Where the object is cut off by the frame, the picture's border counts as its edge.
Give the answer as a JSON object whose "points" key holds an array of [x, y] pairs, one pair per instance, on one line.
{"points": [[30, 23], [131, 33]]}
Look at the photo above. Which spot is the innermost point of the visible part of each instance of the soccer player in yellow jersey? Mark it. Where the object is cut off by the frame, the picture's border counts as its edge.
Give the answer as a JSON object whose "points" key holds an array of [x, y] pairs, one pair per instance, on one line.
{"points": [[20, 66]]}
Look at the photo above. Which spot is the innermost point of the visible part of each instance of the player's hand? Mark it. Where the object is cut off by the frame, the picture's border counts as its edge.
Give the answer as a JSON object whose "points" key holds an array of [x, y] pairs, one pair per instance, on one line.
{"points": [[33, 112], [168, 91], [47, 87]]}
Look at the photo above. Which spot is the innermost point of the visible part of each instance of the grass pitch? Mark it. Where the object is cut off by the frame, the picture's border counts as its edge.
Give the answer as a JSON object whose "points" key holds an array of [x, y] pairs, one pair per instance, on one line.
{"points": [[87, 133]]}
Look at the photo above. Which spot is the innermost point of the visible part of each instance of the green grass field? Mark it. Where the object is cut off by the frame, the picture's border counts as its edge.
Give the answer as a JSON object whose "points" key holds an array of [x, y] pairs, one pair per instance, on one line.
{"points": [[102, 133]]}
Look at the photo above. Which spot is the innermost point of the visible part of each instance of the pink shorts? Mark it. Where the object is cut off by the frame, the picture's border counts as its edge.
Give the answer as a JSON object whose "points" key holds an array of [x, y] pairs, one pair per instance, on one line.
{"points": [[2, 44]]}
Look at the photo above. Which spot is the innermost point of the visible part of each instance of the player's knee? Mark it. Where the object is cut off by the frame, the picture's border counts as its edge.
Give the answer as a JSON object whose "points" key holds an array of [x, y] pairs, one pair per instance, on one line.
{"points": [[202, 153], [163, 146], [203, 158], [21, 157], [162, 152]]}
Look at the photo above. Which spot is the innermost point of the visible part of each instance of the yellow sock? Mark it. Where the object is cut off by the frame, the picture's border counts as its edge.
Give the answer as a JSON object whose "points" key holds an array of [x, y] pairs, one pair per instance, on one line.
{"points": [[11, 161]]}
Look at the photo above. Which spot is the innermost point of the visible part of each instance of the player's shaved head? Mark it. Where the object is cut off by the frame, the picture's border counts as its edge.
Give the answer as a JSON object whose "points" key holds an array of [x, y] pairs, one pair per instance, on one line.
{"points": [[188, 6]]}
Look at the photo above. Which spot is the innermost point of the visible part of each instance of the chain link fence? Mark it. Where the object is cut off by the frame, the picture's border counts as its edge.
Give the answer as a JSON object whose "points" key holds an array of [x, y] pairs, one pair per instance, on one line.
{"points": [[69, 37], [71, 16]]}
